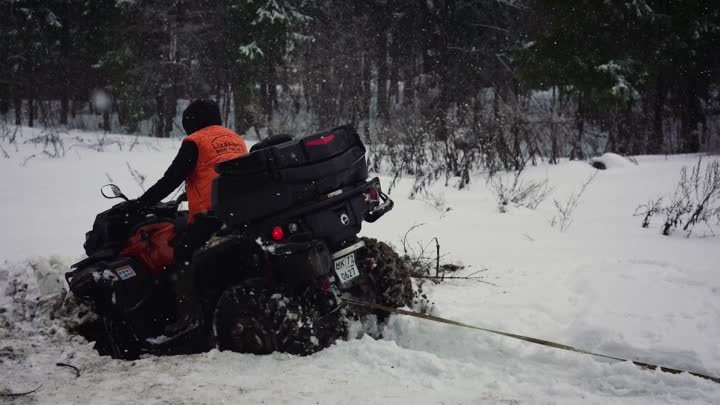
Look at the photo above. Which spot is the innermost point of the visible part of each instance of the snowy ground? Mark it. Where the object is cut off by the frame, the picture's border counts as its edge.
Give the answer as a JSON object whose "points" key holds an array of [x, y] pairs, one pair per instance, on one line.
{"points": [[605, 284]]}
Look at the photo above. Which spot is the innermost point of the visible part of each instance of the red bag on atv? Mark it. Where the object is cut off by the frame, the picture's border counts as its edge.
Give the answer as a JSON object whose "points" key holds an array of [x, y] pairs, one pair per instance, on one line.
{"points": [[152, 246]]}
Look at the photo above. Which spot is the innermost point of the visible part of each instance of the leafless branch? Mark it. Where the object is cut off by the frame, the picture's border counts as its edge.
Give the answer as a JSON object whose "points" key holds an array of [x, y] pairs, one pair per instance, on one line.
{"points": [[564, 217], [137, 176]]}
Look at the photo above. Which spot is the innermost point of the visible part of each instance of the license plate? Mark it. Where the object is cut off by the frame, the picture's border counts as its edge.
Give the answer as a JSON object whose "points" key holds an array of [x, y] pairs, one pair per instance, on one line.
{"points": [[346, 268]]}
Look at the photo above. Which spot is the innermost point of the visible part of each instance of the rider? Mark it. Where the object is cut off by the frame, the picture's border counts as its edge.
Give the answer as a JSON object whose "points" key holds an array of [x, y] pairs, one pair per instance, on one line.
{"points": [[207, 144]]}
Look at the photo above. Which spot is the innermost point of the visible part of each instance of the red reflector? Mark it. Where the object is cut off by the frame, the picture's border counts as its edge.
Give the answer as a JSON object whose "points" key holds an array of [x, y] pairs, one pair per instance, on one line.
{"points": [[373, 194], [278, 233], [325, 286], [323, 140]]}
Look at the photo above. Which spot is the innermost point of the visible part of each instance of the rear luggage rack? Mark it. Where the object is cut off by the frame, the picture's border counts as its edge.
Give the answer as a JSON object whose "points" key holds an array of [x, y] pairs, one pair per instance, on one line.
{"points": [[298, 172], [300, 211]]}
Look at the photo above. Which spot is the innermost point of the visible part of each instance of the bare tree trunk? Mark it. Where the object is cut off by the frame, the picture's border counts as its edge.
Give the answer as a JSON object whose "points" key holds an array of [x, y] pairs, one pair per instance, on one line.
{"points": [[65, 66], [394, 92], [17, 106], [554, 152], [106, 120], [64, 105], [269, 91], [171, 96], [243, 120], [409, 84], [4, 103], [366, 92], [497, 133], [166, 108], [355, 88], [634, 133], [31, 109], [577, 151], [657, 140], [273, 93], [73, 107], [160, 123], [611, 145], [438, 44], [691, 115], [327, 104], [228, 97], [382, 75]]}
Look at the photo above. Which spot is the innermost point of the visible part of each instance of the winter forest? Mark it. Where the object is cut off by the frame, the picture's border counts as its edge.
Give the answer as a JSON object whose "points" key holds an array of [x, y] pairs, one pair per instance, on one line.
{"points": [[491, 82]]}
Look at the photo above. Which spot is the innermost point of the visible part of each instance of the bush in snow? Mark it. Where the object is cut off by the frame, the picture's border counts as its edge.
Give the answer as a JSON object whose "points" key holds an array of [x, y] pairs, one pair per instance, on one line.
{"points": [[563, 218], [8, 133], [696, 199], [649, 209], [426, 262], [518, 191]]}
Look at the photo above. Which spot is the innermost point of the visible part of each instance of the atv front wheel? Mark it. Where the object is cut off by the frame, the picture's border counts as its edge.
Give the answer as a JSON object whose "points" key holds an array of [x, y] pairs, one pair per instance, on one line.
{"points": [[259, 321], [121, 341]]}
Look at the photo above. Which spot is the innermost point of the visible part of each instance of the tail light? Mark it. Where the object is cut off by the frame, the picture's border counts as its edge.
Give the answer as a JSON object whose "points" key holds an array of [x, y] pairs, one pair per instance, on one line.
{"points": [[372, 195], [278, 233], [323, 140]]}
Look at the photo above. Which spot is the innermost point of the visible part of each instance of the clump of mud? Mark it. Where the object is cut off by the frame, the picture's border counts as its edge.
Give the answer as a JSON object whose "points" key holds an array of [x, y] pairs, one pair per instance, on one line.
{"points": [[391, 274]]}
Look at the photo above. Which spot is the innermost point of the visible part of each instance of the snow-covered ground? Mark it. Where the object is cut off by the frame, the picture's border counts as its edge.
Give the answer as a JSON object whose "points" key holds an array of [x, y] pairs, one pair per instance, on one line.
{"points": [[605, 285]]}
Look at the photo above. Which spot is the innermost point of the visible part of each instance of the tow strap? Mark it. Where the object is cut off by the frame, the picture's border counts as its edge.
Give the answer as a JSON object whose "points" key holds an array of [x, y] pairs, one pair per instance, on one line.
{"points": [[542, 342]]}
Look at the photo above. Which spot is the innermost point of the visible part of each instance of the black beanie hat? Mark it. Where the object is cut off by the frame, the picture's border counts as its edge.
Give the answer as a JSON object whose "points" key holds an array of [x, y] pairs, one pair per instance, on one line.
{"points": [[201, 113]]}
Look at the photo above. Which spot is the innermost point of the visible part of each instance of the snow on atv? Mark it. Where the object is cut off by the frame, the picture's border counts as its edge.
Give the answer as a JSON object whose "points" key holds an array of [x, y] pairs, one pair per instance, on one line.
{"points": [[271, 278]]}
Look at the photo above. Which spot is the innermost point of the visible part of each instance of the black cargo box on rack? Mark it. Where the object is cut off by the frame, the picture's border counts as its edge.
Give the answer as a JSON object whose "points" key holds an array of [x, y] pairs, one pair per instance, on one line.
{"points": [[273, 179]]}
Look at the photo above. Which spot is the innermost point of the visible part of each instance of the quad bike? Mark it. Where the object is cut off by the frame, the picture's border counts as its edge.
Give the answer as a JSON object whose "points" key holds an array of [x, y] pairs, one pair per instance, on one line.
{"points": [[271, 278]]}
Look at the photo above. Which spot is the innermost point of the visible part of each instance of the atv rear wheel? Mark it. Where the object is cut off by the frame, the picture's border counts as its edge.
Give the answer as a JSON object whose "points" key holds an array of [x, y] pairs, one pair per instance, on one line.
{"points": [[390, 277], [260, 321]]}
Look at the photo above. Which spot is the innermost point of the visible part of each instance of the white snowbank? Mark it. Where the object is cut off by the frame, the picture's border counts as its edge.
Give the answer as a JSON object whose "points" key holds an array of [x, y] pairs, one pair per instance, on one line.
{"points": [[606, 285], [610, 161]]}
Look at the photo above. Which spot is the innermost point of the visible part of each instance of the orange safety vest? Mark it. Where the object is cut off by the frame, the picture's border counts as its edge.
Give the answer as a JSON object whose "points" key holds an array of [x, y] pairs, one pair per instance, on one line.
{"points": [[214, 144]]}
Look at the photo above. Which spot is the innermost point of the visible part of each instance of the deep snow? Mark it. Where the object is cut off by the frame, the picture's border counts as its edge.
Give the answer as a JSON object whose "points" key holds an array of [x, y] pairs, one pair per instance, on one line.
{"points": [[605, 284]]}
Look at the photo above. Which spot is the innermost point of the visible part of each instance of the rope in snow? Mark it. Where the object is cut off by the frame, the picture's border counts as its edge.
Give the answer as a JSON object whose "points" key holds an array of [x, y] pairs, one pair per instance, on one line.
{"points": [[524, 338]]}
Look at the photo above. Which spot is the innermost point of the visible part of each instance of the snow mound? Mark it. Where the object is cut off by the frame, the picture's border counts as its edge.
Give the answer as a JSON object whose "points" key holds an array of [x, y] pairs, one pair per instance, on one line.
{"points": [[417, 361], [34, 301], [610, 161]]}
